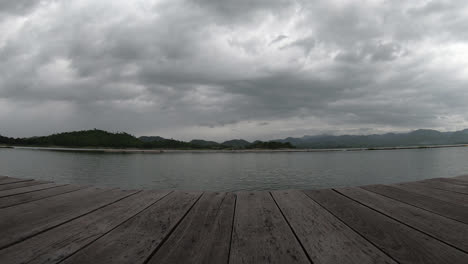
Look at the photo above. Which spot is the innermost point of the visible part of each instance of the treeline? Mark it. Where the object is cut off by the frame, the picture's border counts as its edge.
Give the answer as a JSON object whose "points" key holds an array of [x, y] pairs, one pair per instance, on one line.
{"points": [[103, 139]]}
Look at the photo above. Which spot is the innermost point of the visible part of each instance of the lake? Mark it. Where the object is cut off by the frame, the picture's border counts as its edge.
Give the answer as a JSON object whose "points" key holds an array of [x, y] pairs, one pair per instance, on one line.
{"points": [[234, 171]]}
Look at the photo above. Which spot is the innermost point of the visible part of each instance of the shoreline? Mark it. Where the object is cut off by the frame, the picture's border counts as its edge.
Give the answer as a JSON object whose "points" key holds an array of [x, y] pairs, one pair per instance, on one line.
{"points": [[161, 151]]}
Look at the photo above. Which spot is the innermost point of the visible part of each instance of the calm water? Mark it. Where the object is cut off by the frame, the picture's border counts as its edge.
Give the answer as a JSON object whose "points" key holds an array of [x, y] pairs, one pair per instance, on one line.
{"points": [[234, 171]]}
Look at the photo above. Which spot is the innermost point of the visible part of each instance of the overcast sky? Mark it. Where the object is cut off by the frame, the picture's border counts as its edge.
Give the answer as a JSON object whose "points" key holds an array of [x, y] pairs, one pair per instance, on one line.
{"points": [[223, 69]]}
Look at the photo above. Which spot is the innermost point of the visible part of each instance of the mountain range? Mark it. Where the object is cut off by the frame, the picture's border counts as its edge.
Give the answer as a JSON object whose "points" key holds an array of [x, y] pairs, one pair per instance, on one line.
{"points": [[421, 137], [100, 138]]}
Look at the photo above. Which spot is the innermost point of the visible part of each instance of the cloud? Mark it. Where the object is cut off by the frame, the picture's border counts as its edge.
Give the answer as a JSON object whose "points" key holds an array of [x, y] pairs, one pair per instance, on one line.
{"points": [[240, 69], [18, 7]]}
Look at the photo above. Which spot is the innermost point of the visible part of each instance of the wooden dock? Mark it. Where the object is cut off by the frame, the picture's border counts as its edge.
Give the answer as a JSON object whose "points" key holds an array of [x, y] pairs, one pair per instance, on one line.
{"points": [[416, 222]]}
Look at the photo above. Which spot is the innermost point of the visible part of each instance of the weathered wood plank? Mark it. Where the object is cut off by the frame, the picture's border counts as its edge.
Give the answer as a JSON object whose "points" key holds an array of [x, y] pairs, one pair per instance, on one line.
{"points": [[25, 220], [444, 195], [447, 230], [60, 242], [34, 196], [437, 206], [12, 180], [437, 184], [28, 189], [462, 177], [20, 184], [135, 240], [450, 180], [261, 234], [7, 180], [404, 244], [204, 235], [325, 237]]}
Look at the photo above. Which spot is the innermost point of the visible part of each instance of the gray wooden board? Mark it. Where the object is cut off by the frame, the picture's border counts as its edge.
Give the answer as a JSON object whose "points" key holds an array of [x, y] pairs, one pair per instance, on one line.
{"points": [[447, 230], [444, 195], [34, 196], [261, 234], [204, 235], [135, 240], [437, 184], [404, 244], [437, 206], [12, 180], [450, 180], [27, 189], [60, 242], [25, 220], [462, 177], [325, 237], [15, 185]]}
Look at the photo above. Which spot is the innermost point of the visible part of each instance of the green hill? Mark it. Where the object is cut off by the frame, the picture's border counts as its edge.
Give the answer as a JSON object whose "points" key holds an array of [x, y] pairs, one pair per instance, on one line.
{"points": [[87, 138], [236, 143], [103, 139]]}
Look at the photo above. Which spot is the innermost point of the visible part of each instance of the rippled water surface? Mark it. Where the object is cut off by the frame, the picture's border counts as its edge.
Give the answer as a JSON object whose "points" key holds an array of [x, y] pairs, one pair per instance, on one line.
{"points": [[234, 171]]}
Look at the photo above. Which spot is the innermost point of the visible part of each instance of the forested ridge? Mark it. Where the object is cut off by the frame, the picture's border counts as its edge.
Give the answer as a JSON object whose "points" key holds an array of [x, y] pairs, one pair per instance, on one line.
{"points": [[102, 139]]}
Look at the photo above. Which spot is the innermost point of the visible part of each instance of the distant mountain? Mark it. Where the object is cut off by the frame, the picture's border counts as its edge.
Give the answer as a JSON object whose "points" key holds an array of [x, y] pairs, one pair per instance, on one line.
{"points": [[421, 137], [270, 145], [236, 143], [151, 139], [99, 138], [205, 143]]}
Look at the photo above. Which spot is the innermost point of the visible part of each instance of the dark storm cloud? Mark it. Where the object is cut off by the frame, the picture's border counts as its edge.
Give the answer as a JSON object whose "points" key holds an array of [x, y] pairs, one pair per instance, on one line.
{"points": [[221, 69], [18, 6]]}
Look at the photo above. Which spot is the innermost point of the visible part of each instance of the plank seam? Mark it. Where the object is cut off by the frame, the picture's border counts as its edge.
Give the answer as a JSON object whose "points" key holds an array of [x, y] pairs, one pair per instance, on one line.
{"points": [[407, 188], [354, 230], [123, 222], [42, 197], [408, 225], [5, 183], [31, 191], [232, 228], [47, 229], [291, 228], [417, 205], [172, 230], [438, 188], [452, 181]]}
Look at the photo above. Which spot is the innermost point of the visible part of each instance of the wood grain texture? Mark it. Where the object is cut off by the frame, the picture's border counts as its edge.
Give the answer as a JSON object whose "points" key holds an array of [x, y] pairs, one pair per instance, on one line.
{"points": [[444, 195], [453, 181], [450, 210], [401, 223], [324, 237], [444, 185], [135, 240], [462, 177], [9, 180], [261, 234], [56, 244], [27, 189], [20, 184], [37, 195], [404, 244], [25, 220], [447, 230], [204, 235]]}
